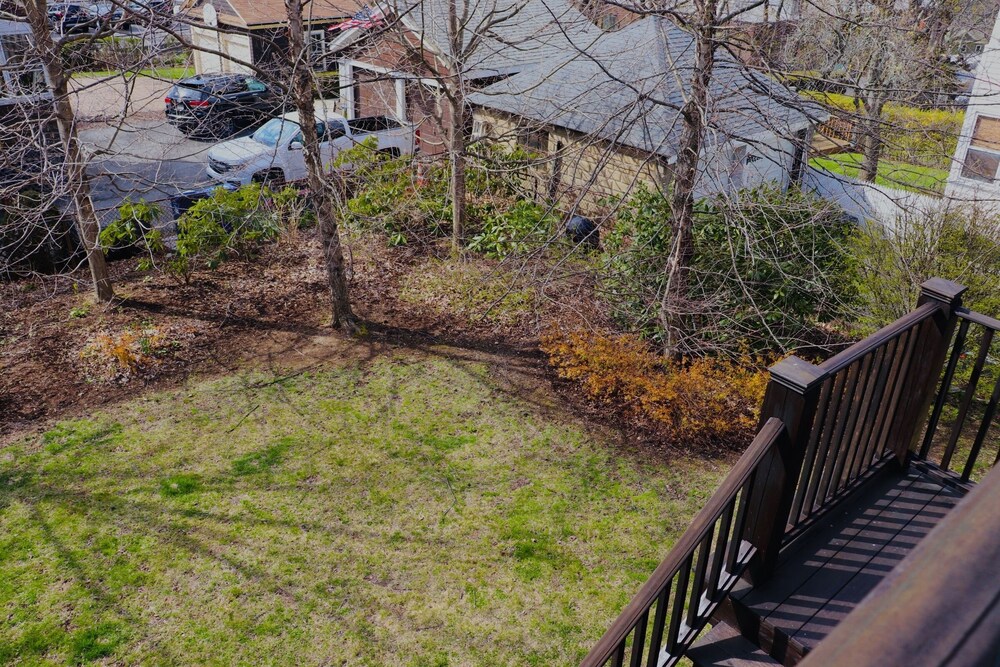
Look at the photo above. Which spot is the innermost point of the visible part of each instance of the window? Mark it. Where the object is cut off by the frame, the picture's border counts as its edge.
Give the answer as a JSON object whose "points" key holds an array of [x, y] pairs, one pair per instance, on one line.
{"points": [[318, 50], [980, 165], [983, 157], [536, 141], [255, 86], [481, 129], [609, 22], [22, 72]]}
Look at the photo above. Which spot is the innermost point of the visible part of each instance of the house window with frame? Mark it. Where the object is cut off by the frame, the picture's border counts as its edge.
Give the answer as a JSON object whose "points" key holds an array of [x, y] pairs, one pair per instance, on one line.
{"points": [[319, 50], [21, 70], [982, 160]]}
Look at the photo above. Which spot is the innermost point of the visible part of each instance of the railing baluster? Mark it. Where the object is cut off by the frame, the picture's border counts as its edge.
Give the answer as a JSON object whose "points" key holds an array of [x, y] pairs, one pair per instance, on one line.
{"points": [[659, 620], [836, 439], [942, 397], [719, 553], [902, 379], [698, 585], [639, 641], [733, 551], [618, 660], [809, 461], [885, 369], [848, 442], [836, 393], [865, 415], [970, 392], [991, 410], [677, 611]]}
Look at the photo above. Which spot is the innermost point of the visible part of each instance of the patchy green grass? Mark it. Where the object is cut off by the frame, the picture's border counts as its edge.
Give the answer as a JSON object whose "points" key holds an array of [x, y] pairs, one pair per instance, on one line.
{"points": [[893, 174], [404, 512]]}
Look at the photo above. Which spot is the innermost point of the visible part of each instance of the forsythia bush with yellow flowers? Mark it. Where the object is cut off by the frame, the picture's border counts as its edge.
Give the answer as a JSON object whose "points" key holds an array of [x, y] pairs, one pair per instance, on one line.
{"points": [[699, 401]]}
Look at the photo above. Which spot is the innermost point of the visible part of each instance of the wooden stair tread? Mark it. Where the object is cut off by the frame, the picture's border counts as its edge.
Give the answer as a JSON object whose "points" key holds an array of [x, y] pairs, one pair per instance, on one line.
{"points": [[724, 646]]}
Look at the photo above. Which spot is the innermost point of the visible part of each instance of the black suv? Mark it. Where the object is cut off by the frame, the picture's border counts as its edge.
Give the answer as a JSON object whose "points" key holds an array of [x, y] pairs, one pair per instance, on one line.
{"points": [[220, 105]]}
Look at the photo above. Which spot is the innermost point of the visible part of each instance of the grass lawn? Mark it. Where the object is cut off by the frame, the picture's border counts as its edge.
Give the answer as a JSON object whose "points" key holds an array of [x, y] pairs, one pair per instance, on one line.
{"points": [[892, 174], [404, 511], [165, 73]]}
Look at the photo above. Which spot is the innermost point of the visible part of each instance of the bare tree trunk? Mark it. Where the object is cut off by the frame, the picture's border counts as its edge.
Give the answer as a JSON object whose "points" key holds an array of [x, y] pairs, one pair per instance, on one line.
{"points": [[871, 146], [320, 187], [454, 89], [694, 118], [456, 142], [76, 166]]}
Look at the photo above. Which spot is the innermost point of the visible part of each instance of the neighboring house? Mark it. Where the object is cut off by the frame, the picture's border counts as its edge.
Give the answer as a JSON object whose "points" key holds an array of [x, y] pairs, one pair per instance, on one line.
{"points": [[27, 127], [599, 107], [255, 32], [976, 167]]}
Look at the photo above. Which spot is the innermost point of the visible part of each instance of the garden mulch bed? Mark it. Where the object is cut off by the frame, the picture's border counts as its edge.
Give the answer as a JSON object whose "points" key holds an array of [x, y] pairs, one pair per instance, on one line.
{"points": [[57, 350]]}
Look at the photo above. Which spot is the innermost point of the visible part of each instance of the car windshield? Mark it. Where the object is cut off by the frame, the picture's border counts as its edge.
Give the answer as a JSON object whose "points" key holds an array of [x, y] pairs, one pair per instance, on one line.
{"points": [[276, 131]]}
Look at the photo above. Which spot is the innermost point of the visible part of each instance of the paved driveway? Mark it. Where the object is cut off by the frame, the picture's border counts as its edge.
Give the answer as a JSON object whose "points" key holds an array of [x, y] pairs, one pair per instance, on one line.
{"points": [[136, 153]]}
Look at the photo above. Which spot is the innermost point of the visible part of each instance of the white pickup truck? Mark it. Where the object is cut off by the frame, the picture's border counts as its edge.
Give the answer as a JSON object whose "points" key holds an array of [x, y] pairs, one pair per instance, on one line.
{"points": [[273, 154]]}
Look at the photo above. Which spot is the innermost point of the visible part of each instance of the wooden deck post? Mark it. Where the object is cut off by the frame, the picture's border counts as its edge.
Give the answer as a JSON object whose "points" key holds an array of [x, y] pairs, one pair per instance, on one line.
{"points": [[925, 365], [792, 395]]}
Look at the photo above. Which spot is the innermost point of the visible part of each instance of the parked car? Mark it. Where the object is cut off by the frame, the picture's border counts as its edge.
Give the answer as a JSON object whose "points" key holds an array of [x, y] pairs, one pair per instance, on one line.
{"points": [[273, 154], [68, 17], [146, 11], [220, 105], [106, 12]]}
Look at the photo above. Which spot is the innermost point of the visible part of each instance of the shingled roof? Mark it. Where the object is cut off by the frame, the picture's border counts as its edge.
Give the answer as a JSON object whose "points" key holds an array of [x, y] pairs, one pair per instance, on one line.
{"points": [[628, 86], [257, 13]]}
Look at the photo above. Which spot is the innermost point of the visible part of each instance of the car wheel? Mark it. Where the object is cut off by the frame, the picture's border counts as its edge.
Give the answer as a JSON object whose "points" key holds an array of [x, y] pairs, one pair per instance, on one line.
{"points": [[273, 180]]}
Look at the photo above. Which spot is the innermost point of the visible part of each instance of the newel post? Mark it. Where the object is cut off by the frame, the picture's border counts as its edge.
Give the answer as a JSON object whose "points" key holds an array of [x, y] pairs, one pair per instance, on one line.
{"points": [[792, 396], [926, 363]]}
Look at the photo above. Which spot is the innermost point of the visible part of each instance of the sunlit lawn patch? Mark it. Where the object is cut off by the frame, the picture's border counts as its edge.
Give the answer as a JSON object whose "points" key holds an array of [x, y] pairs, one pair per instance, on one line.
{"points": [[405, 512]]}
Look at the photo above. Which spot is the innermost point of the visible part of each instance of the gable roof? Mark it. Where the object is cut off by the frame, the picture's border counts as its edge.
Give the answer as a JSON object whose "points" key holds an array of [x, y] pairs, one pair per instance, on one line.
{"points": [[499, 36], [628, 87], [259, 13]]}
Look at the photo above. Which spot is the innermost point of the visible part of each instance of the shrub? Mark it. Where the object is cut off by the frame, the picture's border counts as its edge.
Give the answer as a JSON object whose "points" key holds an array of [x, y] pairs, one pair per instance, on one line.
{"points": [[699, 401], [388, 195], [960, 244], [225, 224], [134, 227], [409, 201], [119, 355], [768, 267], [513, 230]]}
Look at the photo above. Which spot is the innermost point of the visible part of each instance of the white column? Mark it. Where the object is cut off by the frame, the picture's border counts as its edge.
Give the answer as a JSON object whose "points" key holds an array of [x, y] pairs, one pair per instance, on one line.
{"points": [[346, 77], [401, 99]]}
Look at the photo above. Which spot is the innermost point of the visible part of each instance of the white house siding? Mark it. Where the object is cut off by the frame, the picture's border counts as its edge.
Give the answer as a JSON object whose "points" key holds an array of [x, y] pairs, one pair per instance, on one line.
{"points": [[984, 102], [237, 46]]}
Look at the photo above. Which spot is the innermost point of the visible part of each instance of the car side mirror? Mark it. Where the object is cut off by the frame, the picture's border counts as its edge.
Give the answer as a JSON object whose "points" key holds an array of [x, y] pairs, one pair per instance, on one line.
{"points": [[295, 146]]}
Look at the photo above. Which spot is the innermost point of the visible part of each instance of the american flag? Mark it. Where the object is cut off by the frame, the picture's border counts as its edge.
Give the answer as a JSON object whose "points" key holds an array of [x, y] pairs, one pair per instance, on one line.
{"points": [[366, 18]]}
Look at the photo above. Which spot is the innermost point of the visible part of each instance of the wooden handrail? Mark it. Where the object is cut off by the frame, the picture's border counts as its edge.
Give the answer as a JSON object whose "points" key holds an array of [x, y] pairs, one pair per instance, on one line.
{"points": [[978, 318], [847, 357], [680, 555]]}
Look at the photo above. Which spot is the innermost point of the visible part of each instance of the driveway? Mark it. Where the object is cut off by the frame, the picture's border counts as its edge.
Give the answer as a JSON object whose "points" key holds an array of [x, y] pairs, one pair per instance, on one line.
{"points": [[141, 159]]}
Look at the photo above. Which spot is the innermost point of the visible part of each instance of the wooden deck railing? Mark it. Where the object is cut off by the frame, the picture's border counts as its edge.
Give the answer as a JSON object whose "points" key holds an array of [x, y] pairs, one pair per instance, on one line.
{"points": [[825, 430], [672, 607], [957, 450]]}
